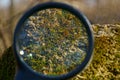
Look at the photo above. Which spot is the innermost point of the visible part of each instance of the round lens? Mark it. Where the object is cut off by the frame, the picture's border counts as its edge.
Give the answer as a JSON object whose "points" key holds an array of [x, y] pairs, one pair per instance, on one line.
{"points": [[53, 41]]}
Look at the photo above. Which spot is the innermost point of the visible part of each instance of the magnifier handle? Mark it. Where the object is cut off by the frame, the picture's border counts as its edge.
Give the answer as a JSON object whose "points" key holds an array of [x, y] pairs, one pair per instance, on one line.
{"points": [[24, 75]]}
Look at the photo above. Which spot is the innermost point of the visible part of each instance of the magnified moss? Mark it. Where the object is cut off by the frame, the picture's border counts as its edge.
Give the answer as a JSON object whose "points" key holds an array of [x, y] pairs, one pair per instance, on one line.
{"points": [[53, 41], [104, 66]]}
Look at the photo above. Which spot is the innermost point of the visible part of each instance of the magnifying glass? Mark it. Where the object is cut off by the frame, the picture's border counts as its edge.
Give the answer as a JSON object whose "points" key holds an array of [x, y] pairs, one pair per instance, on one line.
{"points": [[52, 41]]}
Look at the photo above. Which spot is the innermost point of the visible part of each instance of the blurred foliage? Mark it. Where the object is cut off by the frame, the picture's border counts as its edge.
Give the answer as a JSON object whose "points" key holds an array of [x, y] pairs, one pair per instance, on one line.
{"points": [[7, 65], [104, 66]]}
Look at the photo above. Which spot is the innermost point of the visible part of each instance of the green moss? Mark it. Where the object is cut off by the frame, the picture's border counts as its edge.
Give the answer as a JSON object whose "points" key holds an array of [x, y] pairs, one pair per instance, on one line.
{"points": [[104, 66], [57, 34]]}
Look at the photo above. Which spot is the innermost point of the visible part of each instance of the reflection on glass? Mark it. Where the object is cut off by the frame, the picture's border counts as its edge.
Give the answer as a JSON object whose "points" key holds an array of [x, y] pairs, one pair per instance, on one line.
{"points": [[53, 41]]}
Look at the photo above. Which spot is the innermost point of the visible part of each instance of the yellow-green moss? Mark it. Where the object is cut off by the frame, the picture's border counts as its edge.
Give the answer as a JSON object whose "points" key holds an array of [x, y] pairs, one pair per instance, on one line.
{"points": [[106, 61]]}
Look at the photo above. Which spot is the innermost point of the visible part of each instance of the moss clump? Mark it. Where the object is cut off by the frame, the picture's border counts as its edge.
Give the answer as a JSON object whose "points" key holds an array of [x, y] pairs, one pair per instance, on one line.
{"points": [[7, 65], [104, 66]]}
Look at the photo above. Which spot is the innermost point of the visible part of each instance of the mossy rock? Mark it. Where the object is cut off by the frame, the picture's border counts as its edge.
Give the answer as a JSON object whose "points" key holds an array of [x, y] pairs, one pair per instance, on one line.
{"points": [[106, 61], [104, 66]]}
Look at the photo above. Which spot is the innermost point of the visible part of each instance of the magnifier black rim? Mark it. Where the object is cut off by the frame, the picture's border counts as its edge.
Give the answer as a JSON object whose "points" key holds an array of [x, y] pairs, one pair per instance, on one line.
{"points": [[74, 11]]}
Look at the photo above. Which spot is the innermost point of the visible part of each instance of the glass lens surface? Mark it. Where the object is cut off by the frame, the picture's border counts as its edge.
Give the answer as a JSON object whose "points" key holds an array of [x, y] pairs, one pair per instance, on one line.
{"points": [[52, 41]]}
